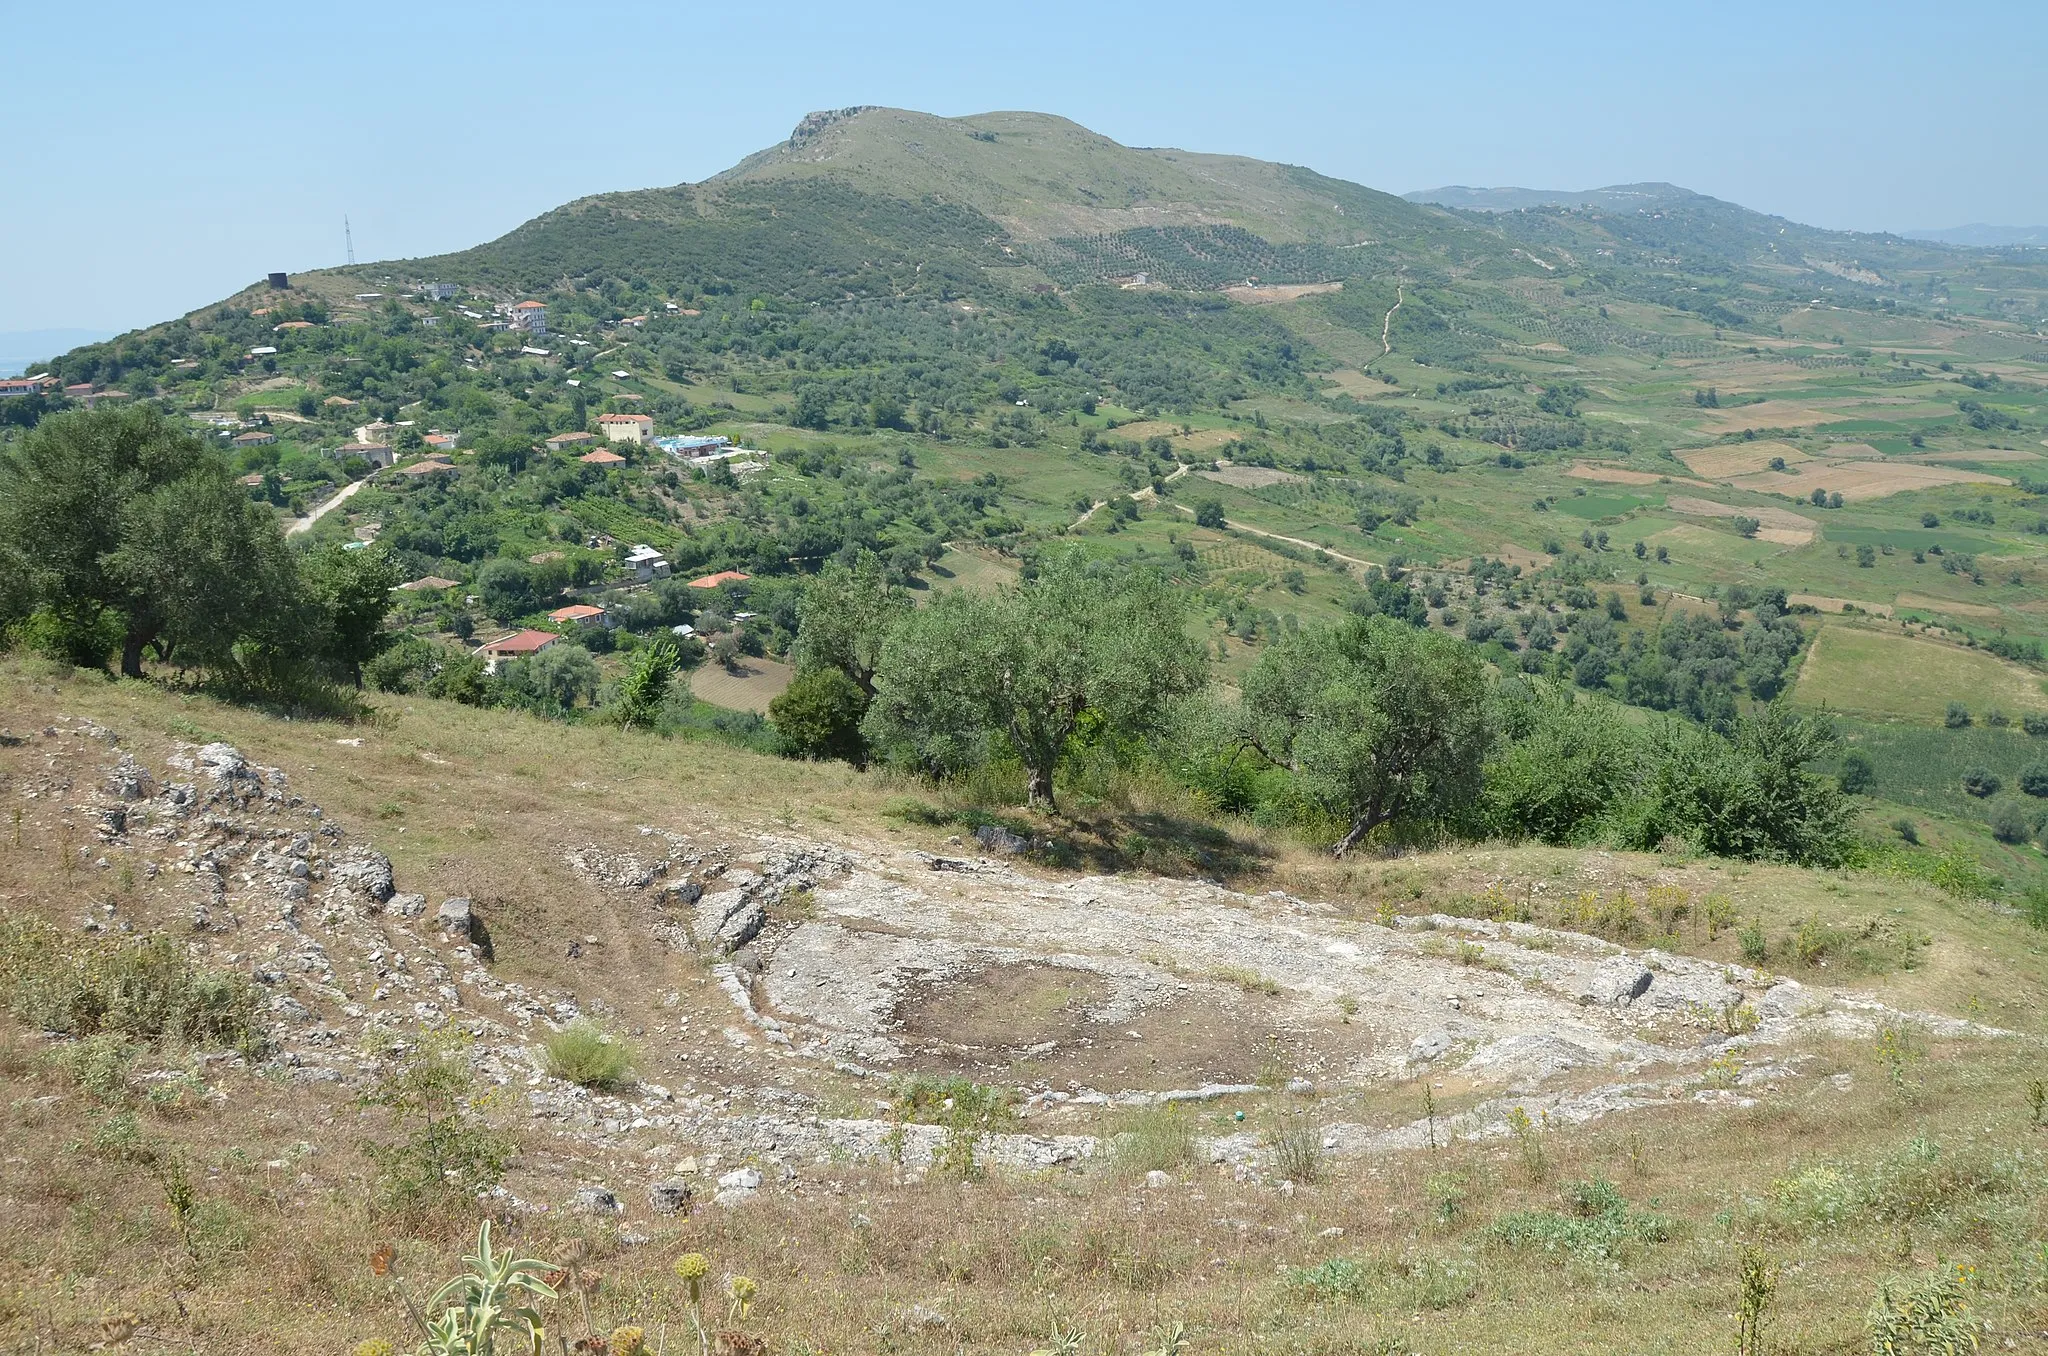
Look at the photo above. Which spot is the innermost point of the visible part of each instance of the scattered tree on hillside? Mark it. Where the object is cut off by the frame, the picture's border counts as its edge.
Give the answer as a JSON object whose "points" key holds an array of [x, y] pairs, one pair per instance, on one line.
{"points": [[1380, 722], [119, 527], [1022, 666]]}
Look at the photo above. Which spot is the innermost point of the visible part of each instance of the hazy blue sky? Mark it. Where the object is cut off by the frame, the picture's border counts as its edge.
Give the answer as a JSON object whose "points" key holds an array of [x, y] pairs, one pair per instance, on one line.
{"points": [[164, 155]]}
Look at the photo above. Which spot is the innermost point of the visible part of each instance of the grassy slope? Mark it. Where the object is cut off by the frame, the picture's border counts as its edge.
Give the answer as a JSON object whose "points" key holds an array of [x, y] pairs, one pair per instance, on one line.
{"points": [[486, 799]]}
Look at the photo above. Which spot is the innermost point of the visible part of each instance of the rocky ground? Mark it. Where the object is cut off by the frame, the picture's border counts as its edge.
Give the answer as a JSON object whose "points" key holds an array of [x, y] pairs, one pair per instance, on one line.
{"points": [[807, 976]]}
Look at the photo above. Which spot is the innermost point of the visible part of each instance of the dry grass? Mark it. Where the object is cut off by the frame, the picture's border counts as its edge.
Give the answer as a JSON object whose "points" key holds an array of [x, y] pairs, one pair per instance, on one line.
{"points": [[274, 1253]]}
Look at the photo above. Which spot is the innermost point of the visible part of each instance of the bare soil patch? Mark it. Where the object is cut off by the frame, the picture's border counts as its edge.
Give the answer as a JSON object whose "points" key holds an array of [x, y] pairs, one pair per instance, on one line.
{"points": [[1769, 414], [1618, 475], [754, 684], [1859, 480], [1825, 603], [1742, 459], [1249, 477], [1269, 295], [1779, 525]]}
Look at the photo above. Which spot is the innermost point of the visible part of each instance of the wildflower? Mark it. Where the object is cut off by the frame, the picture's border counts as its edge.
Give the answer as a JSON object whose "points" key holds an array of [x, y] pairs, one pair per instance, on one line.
{"points": [[628, 1341], [742, 1291], [692, 1267]]}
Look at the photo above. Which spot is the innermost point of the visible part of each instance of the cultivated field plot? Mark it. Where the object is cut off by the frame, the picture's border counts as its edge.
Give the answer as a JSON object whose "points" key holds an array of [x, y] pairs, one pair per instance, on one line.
{"points": [[1719, 463], [1201, 440], [1879, 674], [1822, 602], [1925, 603], [1250, 477], [1858, 480], [1769, 414], [1987, 455], [1270, 295], [754, 684], [970, 569], [1621, 475], [1779, 525]]}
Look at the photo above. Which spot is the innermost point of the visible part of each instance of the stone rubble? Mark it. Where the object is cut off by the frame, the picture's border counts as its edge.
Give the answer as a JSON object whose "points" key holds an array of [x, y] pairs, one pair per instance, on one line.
{"points": [[816, 947]]}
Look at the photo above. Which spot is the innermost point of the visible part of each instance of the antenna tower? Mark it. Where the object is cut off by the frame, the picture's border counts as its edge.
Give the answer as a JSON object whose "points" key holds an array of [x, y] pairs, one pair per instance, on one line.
{"points": [[349, 236]]}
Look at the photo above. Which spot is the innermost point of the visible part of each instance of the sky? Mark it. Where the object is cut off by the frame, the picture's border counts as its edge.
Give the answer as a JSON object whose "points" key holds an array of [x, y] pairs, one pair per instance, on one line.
{"points": [[168, 155]]}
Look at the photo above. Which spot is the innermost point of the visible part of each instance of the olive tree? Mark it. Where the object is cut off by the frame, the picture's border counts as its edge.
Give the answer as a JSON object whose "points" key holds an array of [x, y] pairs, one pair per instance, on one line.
{"points": [[1378, 721], [972, 673], [846, 617], [116, 515]]}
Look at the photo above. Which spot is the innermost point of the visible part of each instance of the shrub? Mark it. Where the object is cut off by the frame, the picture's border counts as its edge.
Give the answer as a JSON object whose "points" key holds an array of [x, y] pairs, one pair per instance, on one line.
{"points": [[1298, 1153], [1906, 829], [1932, 1316], [1595, 1224], [1981, 782], [818, 716], [447, 1154], [146, 990], [1857, 774], [1957, 717], [2035, 724], [2010, 825], [583, 1052], [2034, 779]]}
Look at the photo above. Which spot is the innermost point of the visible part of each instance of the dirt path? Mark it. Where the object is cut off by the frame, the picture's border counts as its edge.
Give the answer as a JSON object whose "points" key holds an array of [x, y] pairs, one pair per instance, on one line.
{"points": [[1292, 541], [1145, 493], [1387, 325], [305, 524]]}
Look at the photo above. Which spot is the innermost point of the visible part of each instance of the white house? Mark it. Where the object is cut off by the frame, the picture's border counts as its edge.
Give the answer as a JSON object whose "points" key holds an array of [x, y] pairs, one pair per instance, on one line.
{"points": [[626, 428], [531, 316], [646, 563]]}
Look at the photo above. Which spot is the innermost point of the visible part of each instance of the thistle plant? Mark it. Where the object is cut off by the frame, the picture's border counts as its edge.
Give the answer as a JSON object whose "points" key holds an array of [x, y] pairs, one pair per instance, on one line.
{"points": [[691, 1268], [487, 1301], [740, 1292], [2037, 1101]]}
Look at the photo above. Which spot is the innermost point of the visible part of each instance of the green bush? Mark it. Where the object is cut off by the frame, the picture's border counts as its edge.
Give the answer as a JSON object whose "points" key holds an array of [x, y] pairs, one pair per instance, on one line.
{"points": [[2033, 779], [1856, 775], [1596, 1224], [146, 990], [583, 1052], [447, 1154], [1957, 716], [1981, 781], [2010, 825]]}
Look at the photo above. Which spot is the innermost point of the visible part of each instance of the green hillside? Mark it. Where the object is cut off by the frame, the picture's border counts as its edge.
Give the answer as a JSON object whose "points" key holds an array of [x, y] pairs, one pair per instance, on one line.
{"points": [[959, 339]]}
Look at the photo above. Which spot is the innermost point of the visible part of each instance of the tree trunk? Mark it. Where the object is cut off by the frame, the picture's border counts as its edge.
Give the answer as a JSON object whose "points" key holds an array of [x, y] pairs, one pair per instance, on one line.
{"points": [[1038, 789], [131, 654], [1360, 827]]}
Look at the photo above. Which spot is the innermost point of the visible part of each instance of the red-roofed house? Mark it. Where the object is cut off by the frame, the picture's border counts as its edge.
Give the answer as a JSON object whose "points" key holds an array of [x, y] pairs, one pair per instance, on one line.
{"points": [[626, 428], [562, 440], [427, 466], [602, 457], [377, 454], [518, 645], [443, 442], [581, 614], [712, 581]]}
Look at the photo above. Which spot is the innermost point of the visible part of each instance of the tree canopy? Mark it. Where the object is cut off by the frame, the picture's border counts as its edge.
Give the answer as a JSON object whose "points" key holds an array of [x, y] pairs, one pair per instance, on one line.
{"points": [[1022, 665], [1379, 721]]}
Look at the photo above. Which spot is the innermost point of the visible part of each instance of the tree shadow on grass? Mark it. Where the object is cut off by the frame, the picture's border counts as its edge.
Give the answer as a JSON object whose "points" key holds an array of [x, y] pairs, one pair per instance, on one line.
{"points": [[1101, 841]]}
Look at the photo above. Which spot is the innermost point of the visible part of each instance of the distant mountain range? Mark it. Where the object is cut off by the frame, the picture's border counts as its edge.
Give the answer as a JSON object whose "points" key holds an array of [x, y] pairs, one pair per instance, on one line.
{"points": [[1980, 236], [1636, 197], [19, 348], [1615, 197]]}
